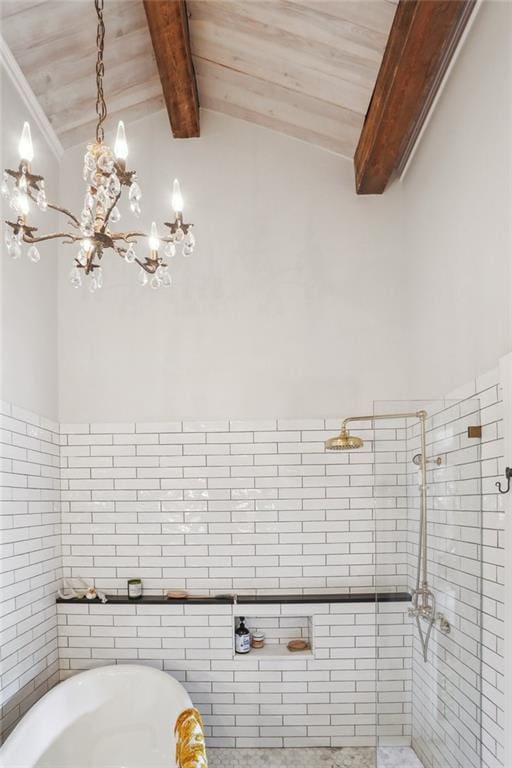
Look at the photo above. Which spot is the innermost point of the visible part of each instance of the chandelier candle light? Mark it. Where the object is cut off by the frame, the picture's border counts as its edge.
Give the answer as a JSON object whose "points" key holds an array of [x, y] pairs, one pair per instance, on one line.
{"points": [[106, 174]]}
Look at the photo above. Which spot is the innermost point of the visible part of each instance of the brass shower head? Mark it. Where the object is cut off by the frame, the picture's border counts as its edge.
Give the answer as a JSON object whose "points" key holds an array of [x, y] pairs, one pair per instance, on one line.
{"points": [[343, 442]]}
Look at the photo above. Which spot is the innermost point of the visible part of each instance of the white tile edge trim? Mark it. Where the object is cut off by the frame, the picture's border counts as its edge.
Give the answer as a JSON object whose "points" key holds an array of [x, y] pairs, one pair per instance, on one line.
{"points": [[506, 382]]}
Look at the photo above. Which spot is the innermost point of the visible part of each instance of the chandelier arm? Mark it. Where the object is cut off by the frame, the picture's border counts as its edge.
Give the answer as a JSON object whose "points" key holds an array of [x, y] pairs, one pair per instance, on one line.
{"points": [[120, 251], [57, 208], [150, 268], [126, 236], [65, 211], [66, 237]]}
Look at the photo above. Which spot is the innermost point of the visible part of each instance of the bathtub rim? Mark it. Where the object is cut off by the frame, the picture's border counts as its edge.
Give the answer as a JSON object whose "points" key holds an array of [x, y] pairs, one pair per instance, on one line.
{"points": [[17, 739]]}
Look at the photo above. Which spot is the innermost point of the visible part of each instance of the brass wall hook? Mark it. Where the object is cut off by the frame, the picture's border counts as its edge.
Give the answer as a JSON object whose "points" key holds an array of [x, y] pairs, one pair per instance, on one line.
{"points": [[508, 475]]}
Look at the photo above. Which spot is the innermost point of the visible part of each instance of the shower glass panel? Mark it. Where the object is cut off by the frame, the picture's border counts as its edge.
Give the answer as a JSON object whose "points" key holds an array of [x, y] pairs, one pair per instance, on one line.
{"points": [[429, 545]]}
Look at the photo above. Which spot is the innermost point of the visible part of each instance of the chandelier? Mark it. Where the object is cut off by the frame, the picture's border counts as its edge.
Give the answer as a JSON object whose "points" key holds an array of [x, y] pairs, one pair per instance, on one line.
{"points": [[105, 173]]}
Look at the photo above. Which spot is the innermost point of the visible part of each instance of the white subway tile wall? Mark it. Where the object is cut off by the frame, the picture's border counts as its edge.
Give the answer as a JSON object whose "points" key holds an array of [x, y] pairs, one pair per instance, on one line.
{"points": [[458, 696], [231, 506], [30, 560], [273, 698], [258, 506]]}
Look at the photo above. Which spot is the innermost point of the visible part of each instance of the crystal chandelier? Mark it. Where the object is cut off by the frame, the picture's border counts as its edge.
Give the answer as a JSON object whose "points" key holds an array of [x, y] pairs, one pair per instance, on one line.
{"points": [[105, 174]]}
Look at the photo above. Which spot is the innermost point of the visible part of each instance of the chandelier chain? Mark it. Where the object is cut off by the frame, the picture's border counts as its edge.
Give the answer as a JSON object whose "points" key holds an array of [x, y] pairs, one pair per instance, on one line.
{"points": [[101, 107]]}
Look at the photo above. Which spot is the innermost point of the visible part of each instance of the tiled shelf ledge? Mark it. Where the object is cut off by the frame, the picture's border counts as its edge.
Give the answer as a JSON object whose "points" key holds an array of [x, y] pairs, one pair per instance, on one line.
{"points": [[357, 597], [271, 651]]}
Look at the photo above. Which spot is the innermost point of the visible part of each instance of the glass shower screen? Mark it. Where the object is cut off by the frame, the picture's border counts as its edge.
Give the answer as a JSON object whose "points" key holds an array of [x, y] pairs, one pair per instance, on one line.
{"points": [[428, 545]]}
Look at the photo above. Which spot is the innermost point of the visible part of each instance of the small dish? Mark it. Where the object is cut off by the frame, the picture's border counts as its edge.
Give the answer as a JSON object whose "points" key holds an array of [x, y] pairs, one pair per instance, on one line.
{"points": [[298, 645], [177, 594]]}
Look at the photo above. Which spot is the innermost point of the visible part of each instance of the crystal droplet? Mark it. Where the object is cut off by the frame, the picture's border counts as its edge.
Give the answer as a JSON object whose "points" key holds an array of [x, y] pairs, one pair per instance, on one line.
{"points": [[130, 255], [134, 192], [155, 282], [188, 250], [15, 197], [114, 185], [179, 235], [99, 277], [135, 208], [166, 279], [143, 277], [190, 238], [24, 205], [4, 189], [19, 202], [101, 197], [89, 201], [115, 215], [89, 161], [170, 250], [42, 202], [33, 254], [106, 163], [75, 277], [86, 217], [15, 249], [93, 284], [8, 237]]}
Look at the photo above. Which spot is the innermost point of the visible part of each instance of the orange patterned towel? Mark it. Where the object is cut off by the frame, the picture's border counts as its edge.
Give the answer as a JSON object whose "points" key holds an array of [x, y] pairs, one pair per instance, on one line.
{"points": [[190, 746]]}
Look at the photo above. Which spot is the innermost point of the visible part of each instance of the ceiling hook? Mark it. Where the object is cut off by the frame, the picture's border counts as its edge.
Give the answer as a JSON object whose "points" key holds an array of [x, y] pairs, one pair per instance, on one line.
{"points": [[508, 475]]}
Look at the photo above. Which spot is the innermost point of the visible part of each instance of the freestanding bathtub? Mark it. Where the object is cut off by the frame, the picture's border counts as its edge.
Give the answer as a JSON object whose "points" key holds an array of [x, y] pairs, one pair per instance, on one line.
{"points": [[119, 716]]}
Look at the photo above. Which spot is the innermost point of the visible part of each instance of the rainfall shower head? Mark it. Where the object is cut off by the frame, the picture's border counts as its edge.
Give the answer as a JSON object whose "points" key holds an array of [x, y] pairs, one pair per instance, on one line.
{"points": [[343, 442]]}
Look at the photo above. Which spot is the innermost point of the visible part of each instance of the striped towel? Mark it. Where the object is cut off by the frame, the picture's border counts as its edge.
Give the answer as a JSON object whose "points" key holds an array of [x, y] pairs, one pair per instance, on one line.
{"points": [[190, 746]]}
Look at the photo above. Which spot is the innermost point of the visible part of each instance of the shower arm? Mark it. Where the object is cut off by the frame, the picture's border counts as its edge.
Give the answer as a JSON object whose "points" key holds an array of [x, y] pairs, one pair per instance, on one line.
{"points": [[422, 576], [421, 415]]}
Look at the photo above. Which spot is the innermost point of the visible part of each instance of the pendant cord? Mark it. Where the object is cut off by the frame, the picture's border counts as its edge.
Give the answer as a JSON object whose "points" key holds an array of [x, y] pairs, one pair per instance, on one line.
{"points": [[101, 107]]}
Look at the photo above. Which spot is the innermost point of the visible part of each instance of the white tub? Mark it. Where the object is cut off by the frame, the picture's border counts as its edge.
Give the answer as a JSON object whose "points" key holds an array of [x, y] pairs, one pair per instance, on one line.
{"points": [[110, 717]]}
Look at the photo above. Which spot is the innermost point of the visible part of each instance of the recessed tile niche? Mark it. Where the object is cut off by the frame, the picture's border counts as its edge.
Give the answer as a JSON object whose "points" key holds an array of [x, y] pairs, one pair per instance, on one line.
{"points": [[278, 630]]}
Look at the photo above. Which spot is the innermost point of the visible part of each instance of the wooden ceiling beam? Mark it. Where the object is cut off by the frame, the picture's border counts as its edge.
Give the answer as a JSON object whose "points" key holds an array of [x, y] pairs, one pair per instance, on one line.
{"points": [[168, 26], [421, 43]]}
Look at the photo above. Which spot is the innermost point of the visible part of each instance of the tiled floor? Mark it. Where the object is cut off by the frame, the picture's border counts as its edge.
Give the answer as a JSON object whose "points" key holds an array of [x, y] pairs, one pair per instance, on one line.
{"points": [[348, 757]]}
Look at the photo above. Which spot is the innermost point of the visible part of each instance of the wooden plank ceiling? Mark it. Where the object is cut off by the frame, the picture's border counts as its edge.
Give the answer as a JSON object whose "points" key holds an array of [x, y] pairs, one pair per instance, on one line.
{"points": [[306, 68]]}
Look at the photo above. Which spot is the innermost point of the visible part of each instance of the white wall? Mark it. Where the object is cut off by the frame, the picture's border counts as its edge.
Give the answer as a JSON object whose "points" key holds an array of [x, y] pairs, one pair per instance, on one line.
{"points": [[457, 216], [292, 305], [28, 291], [303, 299], [29, 445]]}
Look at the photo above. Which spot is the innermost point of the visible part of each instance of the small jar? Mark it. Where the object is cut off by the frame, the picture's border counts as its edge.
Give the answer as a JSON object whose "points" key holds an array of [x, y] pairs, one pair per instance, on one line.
{"points": [[258, 639], [134, 589]]}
